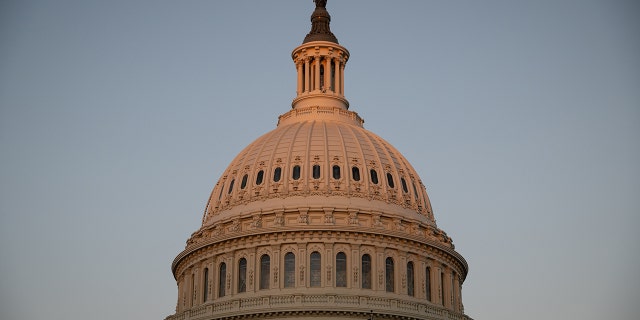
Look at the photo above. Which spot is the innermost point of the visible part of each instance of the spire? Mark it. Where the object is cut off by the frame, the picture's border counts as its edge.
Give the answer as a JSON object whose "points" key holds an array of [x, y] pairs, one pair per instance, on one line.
{"points": [[320, 63], [320, 19]]}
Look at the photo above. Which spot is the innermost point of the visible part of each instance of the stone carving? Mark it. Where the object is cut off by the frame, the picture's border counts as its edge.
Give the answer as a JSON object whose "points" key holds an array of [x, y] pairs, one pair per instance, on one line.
{"points": [[355, 274], [380, 277], [353, 218], [235, 226], [328, 217], [275, 274], [301, 273], [279, 220], [377, 223], [303, 218], [257, 221]]}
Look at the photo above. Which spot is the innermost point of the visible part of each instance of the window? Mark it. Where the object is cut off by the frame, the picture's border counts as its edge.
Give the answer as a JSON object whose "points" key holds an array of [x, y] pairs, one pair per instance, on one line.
{"points": [[355, 173], [428, 283], [259, 177], [404, 185], [276, 174], [315, 277], [296, 172], [341, 269], [374, 176], [244, 181], [223, 280], [289, 270], [442, 287], [410, 284], [205, 285], [242, 275], [415, 191], [336, 172], [390, 180], [316, 171], [366, 271], [389, 275], [231, 186], [265, 267]]}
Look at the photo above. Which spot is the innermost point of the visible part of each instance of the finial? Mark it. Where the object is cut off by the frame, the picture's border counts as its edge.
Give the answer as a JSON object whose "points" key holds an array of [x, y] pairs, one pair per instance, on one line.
{"points": [[320, 19]]}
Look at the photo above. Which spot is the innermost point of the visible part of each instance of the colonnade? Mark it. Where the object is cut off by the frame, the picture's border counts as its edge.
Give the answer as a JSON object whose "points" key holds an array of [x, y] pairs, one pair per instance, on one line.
{"points": [[219, 276], [320, 74]]}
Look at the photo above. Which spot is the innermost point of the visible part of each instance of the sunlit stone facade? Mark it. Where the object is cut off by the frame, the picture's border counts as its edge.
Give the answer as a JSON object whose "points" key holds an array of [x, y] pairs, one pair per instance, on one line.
{"points": [[319, 218]]}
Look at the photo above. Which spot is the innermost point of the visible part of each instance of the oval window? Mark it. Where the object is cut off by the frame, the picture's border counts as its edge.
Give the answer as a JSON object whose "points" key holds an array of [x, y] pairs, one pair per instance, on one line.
{"points": [[374, 176], [276, 174], [259, 177], [316, 171], [336, 172], [296, 172], [231, 186], [390, 180], [404, 185], [355, 173], [243, 184]]}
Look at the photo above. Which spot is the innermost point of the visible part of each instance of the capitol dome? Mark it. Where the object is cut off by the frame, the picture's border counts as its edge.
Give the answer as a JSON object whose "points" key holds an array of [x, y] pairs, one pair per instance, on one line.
{"points": [[319, 218]]}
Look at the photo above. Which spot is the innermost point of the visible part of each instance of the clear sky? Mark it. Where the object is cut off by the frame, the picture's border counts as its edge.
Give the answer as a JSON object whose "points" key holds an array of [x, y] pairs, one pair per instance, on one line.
{"points": [[118, 117]]}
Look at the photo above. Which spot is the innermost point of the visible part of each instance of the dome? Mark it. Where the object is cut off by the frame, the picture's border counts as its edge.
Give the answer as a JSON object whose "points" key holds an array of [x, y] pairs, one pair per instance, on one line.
{"points": [[319, 218], [318, 157]]}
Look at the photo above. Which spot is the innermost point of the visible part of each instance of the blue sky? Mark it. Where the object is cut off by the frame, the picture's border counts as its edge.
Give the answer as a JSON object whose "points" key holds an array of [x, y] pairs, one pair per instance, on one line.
{"points": [[118, 117]]}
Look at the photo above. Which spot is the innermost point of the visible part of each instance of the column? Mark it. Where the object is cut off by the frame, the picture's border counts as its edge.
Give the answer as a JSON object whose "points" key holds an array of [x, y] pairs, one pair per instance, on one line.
{"points": [[342, 78], [446, 289], [457, 302], [327, 74], [299, 69], [316, 83], [337, 76], [306, 74]]}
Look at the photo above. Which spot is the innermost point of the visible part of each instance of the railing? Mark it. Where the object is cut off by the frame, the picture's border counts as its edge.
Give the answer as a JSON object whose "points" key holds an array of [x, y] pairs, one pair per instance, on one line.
{"points": [[300, 303]]}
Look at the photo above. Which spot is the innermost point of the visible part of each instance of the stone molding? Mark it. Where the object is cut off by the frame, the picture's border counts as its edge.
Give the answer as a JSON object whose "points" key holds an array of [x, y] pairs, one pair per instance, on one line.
{"points": [[323, 305]]}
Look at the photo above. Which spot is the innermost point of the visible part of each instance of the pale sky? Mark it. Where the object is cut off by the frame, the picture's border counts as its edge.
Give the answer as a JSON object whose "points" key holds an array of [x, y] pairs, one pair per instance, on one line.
{"points": [[118, 117]]}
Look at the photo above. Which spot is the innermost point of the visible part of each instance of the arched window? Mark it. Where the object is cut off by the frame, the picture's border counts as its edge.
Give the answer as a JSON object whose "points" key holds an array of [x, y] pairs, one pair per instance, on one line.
{"points": [[336, 172], [315, 278], [374, 176], [242, 275], [442, 287], [390, 180], [265, 268], [222, 277], [410, 277], [259, 177], [427, 281], [389, 277], [205, 285], [316, 171], [366, 271], [244, 181], [355, 173], [404, 185], [289, 270], [296, 172], [276, 174], [231, 186], [341, 269]]}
